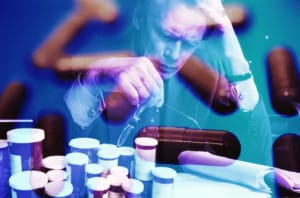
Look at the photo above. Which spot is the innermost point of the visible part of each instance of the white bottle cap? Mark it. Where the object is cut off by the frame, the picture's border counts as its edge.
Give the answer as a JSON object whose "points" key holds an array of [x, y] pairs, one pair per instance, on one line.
{"points": [[57, 175], [146, 142], [108, 146], [59, 189], [116, 180], [84, 143], [94, 168], [119, 170], [28, 180], [77, 158], [55, 162], [108, 152], [126, 151], [133, 186], [98, 184], [3, 143], [25, 135], [163, 175]]}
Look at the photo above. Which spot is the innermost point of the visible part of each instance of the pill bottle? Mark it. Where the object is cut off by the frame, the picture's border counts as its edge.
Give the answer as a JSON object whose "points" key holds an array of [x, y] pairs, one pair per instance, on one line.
{"points": [[145, 156], [163, 182], [29, 184], [56, 175], [25, 145], [132, 188], [98, 187], [76, 163], [126, 158], [54, 162], [59, 189], [115, 189], [88, 146], [93, 170], [108, 155], [4, 169]]}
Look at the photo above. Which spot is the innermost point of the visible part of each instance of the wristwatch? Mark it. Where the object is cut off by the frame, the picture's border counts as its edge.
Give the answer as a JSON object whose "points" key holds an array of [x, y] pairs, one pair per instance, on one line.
{"points": [[239, 77]]}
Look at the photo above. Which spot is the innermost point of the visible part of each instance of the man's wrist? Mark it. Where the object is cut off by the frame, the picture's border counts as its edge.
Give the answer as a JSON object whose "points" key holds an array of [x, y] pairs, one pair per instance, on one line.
{"points": [[93, 87]]}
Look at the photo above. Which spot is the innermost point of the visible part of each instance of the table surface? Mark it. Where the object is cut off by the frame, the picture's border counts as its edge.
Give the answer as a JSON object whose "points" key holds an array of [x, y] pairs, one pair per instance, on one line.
{"points": [[187, 185]]}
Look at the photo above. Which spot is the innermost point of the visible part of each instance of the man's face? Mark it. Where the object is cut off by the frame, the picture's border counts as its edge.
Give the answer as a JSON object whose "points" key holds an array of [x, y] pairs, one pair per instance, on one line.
{"points": [[176, 37]]}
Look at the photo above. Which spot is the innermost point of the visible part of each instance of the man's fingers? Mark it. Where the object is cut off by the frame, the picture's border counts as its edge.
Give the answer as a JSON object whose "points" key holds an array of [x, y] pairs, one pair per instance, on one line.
{"points": [[128, 90]]}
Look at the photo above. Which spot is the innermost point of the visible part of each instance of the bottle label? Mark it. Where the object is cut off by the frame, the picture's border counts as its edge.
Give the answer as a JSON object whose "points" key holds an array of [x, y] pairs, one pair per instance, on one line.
{"points": [[143, 169], [16, 163], [162, 190]]}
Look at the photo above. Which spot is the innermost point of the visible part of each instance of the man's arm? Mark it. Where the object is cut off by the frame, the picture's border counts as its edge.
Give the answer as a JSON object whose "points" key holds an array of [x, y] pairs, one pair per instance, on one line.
{"points": [[136, 78]]}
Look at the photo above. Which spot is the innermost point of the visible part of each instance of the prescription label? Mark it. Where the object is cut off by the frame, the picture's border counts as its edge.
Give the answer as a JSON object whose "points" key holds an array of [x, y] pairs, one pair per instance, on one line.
{"points": [[160, 190], [13, 194], [143, 168], [15, 163]]}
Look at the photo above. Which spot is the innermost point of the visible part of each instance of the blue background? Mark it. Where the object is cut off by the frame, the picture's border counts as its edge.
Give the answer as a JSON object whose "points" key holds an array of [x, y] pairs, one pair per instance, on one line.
{"points": [[26, 24]]}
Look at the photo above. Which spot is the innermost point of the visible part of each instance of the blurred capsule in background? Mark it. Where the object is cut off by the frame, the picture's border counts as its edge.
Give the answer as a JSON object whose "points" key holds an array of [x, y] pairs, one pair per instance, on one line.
{"points": [[55, 133], [210, 87], [238, 14], [12, 100], [283, 80]]}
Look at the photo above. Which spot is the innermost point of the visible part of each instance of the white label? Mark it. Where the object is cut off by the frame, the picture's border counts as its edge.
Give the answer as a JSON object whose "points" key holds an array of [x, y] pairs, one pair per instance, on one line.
{"points": [[13, 194], [162, 190], [69, 178], [143, 169], [15, 163]]}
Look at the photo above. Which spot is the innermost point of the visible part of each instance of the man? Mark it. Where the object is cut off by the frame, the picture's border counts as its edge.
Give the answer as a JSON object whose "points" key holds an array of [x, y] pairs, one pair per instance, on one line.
{"points": [[167, 34]]}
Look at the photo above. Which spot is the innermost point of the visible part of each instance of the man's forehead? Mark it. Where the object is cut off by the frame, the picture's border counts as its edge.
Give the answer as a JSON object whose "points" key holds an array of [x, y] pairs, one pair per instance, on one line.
{"points": [[182, 20]]}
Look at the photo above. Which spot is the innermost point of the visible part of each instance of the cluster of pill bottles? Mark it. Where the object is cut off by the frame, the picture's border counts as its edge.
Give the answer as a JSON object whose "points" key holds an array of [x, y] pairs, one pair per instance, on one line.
{"points": [[90, 169]]}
